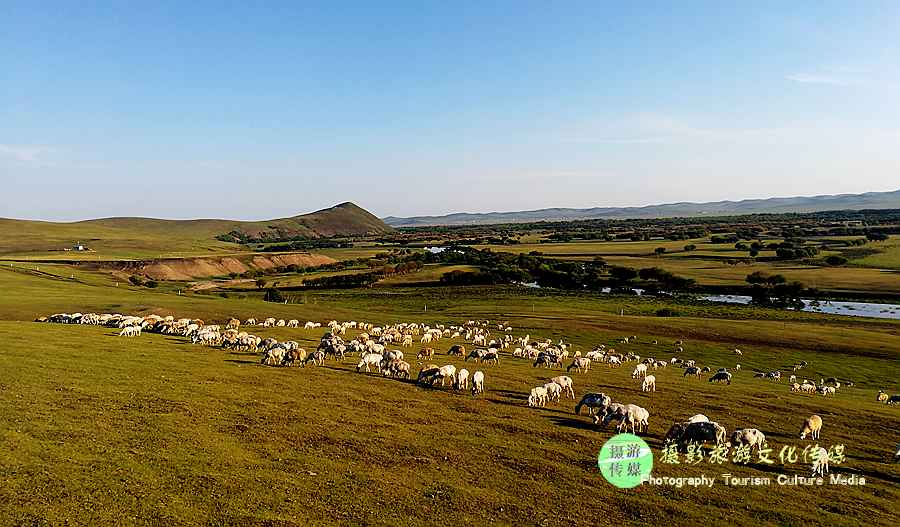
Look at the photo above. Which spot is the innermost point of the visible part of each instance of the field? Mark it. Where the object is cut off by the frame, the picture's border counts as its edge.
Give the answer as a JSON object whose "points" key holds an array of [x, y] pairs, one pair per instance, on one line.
{"points": [[154, 430], [887, 257], [101, 430], [708, 264]]}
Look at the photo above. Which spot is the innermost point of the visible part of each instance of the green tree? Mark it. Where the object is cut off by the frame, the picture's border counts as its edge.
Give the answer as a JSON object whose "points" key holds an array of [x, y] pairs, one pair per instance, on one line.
{"points": [[273, 295]]}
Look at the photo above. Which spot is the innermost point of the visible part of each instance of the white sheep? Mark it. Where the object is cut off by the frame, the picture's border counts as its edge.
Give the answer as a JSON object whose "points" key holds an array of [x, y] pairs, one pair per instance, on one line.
{"points": [[444, 373], [748, 436], [811, 427], [639, 370], [820, 462], [538, 396], [477, 383], [462, 379], [370, 359], [553, 390], [649, 384], [566, 384]]}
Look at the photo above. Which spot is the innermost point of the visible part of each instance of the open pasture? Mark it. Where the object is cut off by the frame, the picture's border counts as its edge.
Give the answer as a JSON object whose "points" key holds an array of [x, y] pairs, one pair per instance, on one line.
{"points": [[159, 430]]}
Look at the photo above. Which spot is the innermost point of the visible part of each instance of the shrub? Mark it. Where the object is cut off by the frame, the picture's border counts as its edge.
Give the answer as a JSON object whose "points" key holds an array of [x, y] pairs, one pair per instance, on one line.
{"points": [[273, 295]]}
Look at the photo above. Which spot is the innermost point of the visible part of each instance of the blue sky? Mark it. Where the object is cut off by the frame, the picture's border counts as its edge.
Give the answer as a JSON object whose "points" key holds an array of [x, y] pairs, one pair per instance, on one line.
{"points": [[195, 109]]}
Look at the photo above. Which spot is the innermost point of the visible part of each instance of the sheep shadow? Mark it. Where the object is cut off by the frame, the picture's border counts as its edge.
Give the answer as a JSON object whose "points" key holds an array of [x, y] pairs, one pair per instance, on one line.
{"points": [[570, 422], [238, 361], [517, 404], [519, 396]]}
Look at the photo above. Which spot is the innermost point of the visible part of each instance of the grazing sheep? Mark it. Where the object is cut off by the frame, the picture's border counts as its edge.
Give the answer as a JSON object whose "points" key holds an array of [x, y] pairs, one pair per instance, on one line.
{"points": [[639, 370], [295, 356], [698, 418], [614, 412], [721, 376], [637, 417], [444, 373], [491, 356], [475, 355], [427, 373], [748, 436], [593, 401], [553, 390], [820, 462], [811, 427], [827, 390], [477, 383], [693, 371], [395, 368], [580, 364], [795, 387], [462, 379], [702, 432], [566, 384], [130, 331], [317, 358], [370, 359], [273, 357], [649, 384], [457, 349], [425, 353], [547, 360], [538, 396]]}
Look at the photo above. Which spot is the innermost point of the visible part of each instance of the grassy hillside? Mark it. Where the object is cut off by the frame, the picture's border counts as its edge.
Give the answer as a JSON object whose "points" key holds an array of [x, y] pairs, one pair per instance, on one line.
{"points": [[116, 238]]}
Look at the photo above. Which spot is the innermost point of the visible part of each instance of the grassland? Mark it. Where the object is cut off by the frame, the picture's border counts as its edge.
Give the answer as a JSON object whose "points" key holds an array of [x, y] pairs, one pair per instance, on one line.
{"points": [[101, 430], [709, 263], [161, 432], [887, 257]]}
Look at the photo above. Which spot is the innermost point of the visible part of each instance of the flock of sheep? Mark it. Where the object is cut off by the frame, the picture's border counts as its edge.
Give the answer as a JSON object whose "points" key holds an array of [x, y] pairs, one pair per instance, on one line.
{"points": [[371, 346]]}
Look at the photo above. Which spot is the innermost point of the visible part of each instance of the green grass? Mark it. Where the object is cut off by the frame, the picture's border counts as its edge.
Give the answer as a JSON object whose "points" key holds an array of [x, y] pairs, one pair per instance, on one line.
{"points": [[103, 430], [708, 263], [888, 256]]}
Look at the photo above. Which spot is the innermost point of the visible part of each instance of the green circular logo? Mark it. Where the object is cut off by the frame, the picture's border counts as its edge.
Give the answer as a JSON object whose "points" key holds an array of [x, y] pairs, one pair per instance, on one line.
{"points": [[625, 460]]}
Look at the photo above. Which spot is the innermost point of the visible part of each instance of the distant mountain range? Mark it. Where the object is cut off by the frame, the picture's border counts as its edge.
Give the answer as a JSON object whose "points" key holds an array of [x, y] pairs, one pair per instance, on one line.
{"points": [[868, 200]]}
